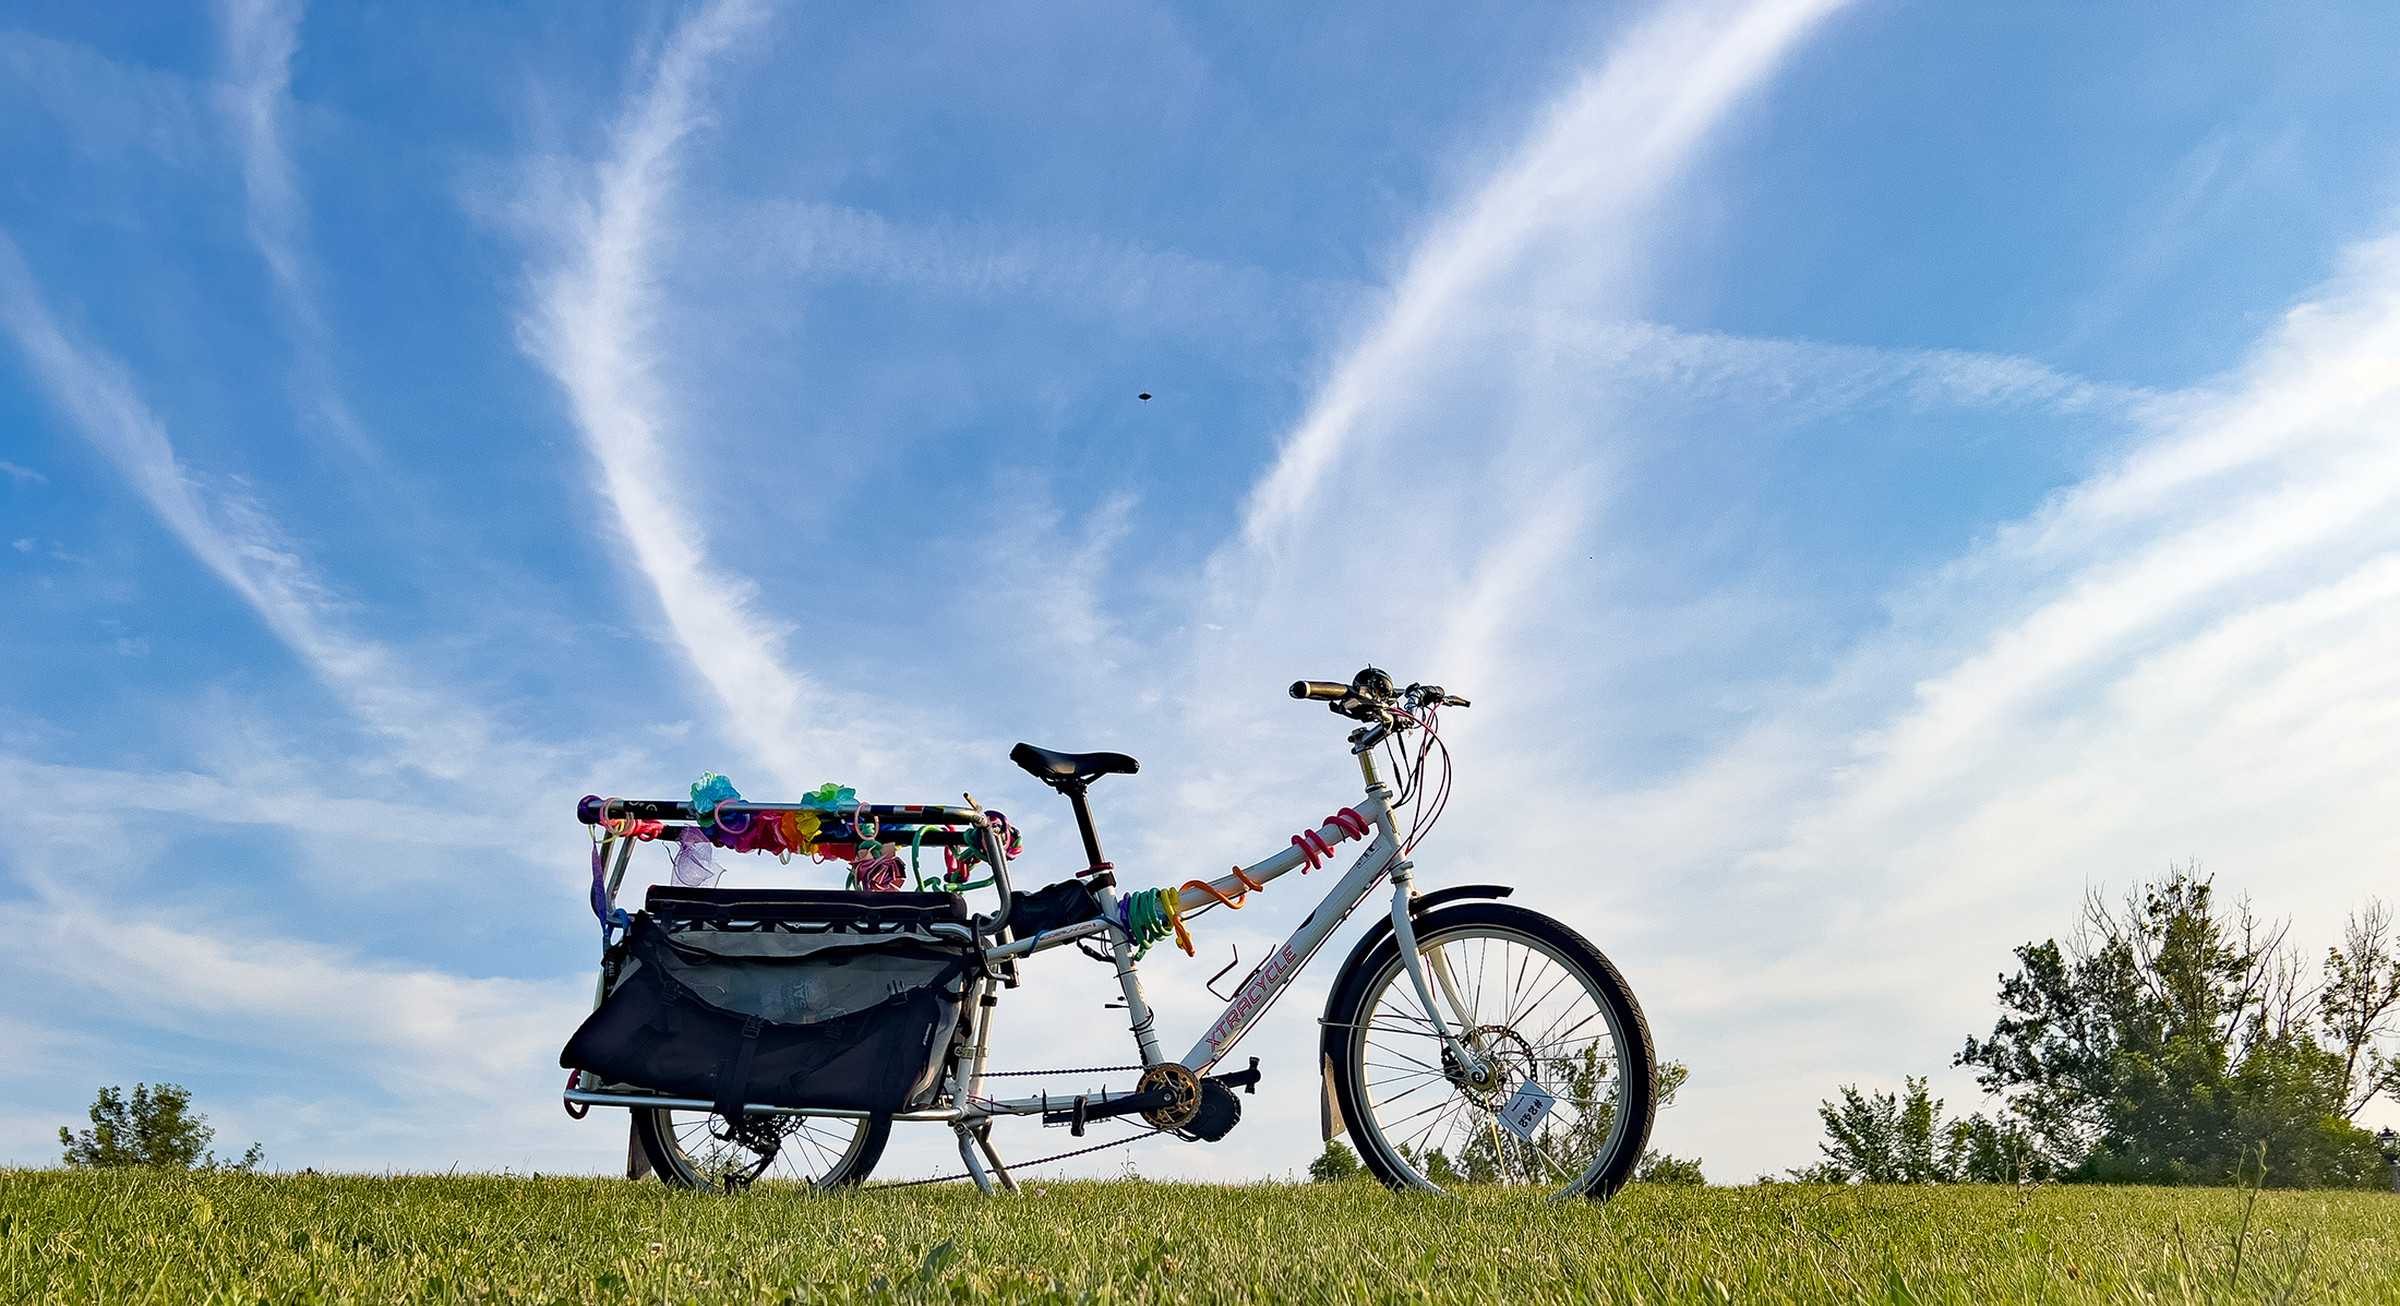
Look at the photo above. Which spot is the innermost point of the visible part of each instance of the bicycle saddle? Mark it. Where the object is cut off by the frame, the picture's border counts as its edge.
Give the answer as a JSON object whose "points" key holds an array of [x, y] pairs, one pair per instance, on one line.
{"points": [[1060, 769]]}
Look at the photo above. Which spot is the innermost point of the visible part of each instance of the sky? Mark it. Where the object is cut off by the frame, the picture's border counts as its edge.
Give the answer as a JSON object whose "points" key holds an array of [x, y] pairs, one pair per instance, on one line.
{"points": [[1880, 470]]}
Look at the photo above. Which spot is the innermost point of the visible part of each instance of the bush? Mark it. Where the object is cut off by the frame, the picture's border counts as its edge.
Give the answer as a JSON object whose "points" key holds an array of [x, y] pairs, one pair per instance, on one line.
{"points": [[1335, 1164], [153, 1127], [1659, 1168]]}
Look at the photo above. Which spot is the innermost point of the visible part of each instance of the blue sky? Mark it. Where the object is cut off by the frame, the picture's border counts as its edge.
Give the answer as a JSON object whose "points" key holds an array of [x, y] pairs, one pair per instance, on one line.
{"points": [[1879, 469]]}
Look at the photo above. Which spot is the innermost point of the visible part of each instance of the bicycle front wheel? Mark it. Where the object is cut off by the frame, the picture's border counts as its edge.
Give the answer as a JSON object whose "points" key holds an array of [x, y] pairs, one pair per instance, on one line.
{"points": [[690, 1149], [1557, 1083]]}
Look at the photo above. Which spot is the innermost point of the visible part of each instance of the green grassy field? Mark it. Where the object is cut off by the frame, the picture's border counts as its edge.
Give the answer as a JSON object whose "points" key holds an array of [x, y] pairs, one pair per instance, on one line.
{"points": [[129, 1237]]}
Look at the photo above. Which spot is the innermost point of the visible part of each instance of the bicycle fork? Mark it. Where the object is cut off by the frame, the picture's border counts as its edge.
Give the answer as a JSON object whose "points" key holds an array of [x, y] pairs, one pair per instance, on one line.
{"points": [[1467, 1051]]}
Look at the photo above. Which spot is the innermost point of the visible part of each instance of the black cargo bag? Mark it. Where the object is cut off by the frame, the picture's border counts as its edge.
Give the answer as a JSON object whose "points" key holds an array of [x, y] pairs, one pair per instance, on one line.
{"points": [[790, 998]]}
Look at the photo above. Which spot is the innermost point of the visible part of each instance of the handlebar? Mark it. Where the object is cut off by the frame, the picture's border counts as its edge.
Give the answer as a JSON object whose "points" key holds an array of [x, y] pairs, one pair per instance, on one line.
{"points": [[1370, 695]]}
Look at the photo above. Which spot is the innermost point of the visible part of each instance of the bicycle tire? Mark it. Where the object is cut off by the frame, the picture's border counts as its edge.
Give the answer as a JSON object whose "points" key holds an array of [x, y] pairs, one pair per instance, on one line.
{"points": [[1406, 1108], [685, 1152]]}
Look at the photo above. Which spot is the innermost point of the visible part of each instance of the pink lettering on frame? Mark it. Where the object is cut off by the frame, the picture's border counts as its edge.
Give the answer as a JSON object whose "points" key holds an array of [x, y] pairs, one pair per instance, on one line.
{"points": [[1250, 1000]]}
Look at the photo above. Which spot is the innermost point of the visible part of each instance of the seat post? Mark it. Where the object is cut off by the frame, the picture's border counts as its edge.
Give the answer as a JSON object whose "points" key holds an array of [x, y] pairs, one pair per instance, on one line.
{"points": [[1073, 789]]}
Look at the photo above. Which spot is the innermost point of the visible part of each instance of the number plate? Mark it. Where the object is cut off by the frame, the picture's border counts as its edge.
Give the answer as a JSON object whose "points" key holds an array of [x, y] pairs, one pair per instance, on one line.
{"points": [[1526, 1109]]}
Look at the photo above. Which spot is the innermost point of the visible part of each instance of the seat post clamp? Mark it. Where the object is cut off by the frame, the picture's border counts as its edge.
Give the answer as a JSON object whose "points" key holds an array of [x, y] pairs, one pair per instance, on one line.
{"points": [[1096, 868]]}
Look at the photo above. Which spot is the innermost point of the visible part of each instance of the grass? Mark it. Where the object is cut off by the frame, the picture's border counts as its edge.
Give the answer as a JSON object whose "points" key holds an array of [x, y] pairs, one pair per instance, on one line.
{"points": [[136, 1237]]}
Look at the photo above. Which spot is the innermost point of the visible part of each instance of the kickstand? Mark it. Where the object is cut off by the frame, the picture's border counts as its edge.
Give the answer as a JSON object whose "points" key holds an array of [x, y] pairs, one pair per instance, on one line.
{"points": [[983, 1140], [966, 1153]]}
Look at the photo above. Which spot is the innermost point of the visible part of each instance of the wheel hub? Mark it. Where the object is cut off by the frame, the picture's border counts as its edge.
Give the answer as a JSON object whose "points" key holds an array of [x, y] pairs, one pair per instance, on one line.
{"points": [[1507, 1061]]}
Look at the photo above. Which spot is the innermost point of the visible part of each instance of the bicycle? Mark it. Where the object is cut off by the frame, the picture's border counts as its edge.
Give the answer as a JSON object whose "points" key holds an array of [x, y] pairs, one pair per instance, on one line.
{"points": [[1465, 1039]]}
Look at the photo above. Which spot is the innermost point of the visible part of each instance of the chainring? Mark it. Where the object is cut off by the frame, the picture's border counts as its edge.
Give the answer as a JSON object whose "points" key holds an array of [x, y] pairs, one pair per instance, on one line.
{"points": [[1179, 1081]]}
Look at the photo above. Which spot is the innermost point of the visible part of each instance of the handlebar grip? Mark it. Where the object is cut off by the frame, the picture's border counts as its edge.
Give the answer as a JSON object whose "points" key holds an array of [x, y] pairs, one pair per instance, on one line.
{"points": [[1321, 690]]}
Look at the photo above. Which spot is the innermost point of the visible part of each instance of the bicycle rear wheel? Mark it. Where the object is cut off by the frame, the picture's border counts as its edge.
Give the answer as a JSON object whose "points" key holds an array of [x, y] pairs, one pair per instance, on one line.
{"points": [[1569, 1081], [688, 1149]]}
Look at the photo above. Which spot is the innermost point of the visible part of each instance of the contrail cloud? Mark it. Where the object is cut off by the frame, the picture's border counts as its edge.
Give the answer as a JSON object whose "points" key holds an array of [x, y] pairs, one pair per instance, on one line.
{"points": [[237, 542], [591, 328], [1604, 152]]}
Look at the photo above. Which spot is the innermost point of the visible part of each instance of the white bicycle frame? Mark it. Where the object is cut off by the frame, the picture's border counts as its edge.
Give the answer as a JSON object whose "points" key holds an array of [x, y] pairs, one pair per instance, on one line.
{"points": [[970, 1113]]}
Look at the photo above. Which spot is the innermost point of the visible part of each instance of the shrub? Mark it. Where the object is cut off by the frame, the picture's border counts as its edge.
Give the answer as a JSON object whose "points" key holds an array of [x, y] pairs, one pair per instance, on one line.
{"points": [[1659, 1168], [1335, 1164]]}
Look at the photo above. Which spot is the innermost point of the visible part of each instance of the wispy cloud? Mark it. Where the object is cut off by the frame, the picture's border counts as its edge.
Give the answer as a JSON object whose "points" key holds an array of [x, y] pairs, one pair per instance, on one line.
{"points": [[374, 1064], [238, 543], [464, 1035], [278, 798], [1446, 478], [592, 326], [1808, 378], [1150, 290], [1601, 157], [2190, 653], [260, 38], [103, 107]]}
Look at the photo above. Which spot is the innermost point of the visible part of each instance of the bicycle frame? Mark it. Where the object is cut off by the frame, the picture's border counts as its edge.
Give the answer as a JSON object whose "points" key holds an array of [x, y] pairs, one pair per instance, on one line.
{"points": [[969, 1112], [1267, 981]]}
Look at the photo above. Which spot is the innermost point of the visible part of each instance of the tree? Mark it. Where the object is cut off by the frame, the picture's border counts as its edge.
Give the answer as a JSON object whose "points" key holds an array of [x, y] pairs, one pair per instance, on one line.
{"points": [[1880, 1139], [1335, 1164], [153, 1127], [1982, 1150], [2360, 1003], [2168, 1039], [1901, 1138], [1658, 1167]]}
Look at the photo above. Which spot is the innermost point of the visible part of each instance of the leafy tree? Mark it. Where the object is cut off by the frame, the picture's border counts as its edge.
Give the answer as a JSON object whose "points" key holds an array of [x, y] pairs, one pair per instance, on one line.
{"points": [[1901, 1138], [1334, 1164], [2168, 1039], [2359, 1003], [1659, 1168], [1672, 1076], [1881, 1138], [152, 1127], [1439, 1169], [1981, 1150], [1579, 1078]]}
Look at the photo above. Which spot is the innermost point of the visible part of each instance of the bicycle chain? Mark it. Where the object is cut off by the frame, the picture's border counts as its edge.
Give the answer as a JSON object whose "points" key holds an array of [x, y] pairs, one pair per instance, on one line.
{"points": [[1027, 1165], [1087, 1070]]}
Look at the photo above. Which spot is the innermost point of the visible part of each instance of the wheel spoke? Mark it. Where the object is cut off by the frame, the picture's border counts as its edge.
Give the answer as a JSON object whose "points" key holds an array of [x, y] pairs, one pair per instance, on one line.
{"points": [[1533, 1011], [1420, 1084], [810, 1150]]}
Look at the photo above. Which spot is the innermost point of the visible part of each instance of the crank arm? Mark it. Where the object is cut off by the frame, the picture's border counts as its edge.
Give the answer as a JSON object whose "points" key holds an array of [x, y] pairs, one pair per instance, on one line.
{"points": [[1245, 1080], [1085, 1109]]}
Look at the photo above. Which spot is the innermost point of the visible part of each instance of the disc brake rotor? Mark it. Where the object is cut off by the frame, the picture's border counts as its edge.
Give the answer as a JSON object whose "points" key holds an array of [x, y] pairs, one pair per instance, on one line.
{"points": [[1507, 1054]]}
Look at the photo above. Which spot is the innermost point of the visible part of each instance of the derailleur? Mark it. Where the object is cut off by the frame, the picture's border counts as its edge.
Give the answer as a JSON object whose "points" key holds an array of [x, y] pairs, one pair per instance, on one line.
{"points": [[759, 1134]]}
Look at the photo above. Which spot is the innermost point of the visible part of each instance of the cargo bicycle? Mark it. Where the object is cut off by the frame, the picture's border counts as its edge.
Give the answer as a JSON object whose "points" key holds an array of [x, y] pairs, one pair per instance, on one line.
{"points": [[779, 1034]]}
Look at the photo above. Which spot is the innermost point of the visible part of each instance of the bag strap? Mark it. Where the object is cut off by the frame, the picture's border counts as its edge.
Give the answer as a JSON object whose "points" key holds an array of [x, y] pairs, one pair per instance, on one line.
{"points": [[734, 1077]]}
